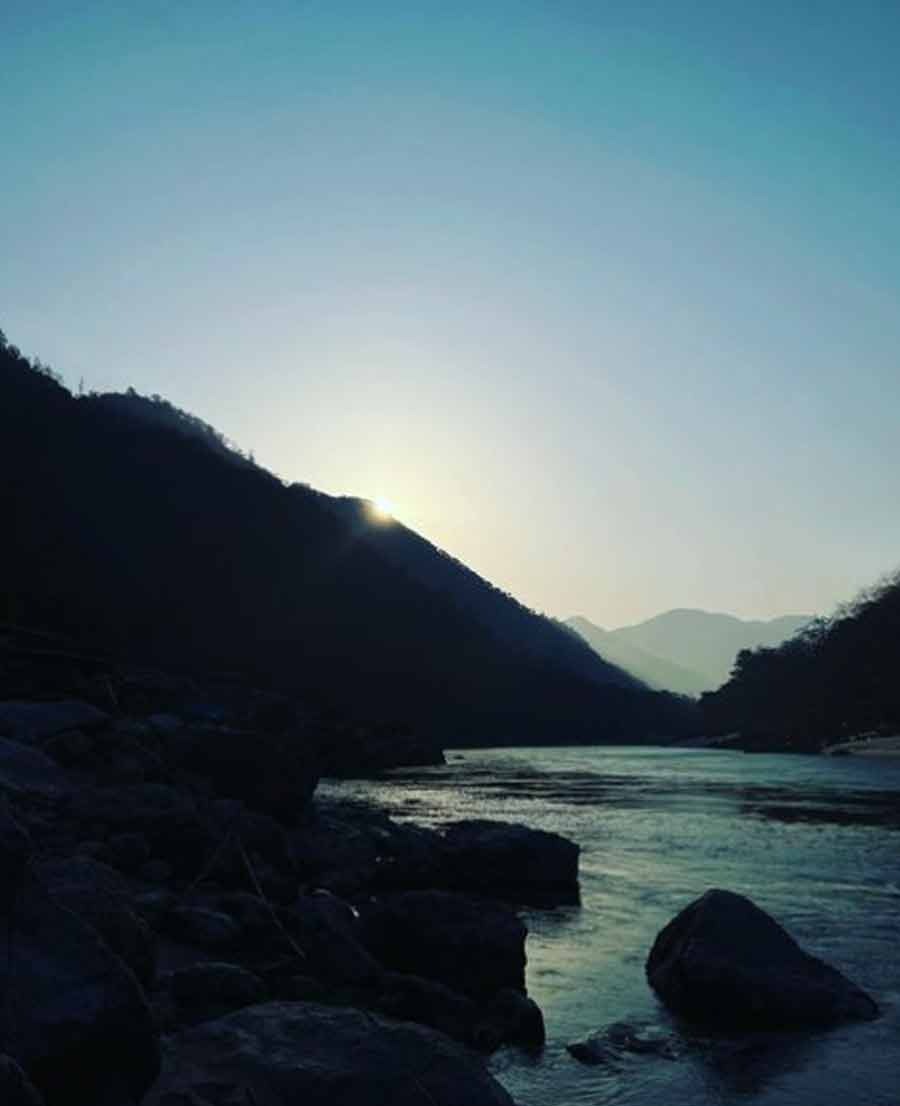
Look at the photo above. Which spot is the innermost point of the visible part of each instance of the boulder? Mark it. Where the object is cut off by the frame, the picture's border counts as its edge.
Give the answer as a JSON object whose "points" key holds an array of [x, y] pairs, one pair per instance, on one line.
{"points": [[71, 749], [74, 1016], [347, 849], [25, 769], [510, 1018], [209, 990], [133, 806], [217, 981], [15, 849], [411, 998], [330, 935], [127, 851], [168, 819], [157, 871], [250, 912], [27, 721], [508, 859], [473, 946], [284, 1053], [274, 774], [15, 1087], [203, 928], [154, 905], [256, 844], [725, 962], [98, 896]]}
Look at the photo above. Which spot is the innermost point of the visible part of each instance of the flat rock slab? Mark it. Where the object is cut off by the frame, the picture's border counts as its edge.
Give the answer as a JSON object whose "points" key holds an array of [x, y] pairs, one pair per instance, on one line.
{"points": [[287, 1053], [724, 962]]}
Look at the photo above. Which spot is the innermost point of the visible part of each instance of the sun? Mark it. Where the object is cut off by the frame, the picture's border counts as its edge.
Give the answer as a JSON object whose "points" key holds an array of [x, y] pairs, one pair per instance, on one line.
{"points": [[382, 508]]}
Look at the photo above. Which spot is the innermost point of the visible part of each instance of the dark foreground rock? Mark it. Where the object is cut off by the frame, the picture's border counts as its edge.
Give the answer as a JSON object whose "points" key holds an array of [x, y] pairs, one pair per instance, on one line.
{"points": [[284, 1053], [15, 1087], [510, 1018], [508, 859], [273, 773], [209, 990], [98, 896], [471, 945], [30, 721], [25, 768], [74, 1016], [724, 962]]}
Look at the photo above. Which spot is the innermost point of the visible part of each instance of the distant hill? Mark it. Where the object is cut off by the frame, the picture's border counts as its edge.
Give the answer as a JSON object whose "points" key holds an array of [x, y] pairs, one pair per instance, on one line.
{"points": [[653, 671], [134, 525], [688, 651], [836, 679]]}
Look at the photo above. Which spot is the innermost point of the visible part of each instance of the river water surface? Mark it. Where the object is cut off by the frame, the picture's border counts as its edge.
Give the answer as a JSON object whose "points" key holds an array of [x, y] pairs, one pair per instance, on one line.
{"points": [[813, 840]]}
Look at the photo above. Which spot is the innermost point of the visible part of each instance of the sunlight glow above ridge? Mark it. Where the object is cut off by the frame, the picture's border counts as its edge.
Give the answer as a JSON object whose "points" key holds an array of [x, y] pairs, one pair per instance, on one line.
{"points": [[382, 509]]}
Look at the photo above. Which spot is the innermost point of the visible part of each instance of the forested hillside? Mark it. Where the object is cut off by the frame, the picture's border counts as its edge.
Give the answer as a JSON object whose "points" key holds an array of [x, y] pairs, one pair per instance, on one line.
{"points": [[131, 524], [836, 678]]}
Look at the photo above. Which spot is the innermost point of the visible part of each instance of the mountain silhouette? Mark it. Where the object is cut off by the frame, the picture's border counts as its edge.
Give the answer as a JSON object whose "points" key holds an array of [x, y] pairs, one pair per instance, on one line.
{"points": [[136, 526], [684, 650], [654, 671]]}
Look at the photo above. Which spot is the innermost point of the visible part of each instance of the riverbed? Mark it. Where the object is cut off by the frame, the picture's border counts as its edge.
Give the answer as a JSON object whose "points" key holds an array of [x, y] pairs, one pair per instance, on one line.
{"points": [[813, 840]]}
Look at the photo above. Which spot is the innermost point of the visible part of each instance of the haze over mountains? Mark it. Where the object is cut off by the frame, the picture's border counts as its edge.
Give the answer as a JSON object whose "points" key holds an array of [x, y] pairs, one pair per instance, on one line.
{"points": [[140, 530], [686, 651]]}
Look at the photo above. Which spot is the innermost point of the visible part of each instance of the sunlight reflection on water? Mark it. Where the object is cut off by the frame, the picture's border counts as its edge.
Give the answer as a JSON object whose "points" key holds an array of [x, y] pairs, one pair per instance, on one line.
{"points": [[811, 839]]}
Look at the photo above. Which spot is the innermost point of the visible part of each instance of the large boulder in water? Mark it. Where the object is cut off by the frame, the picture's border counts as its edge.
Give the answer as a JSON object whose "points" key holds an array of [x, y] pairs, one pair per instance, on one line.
{"points": [[471, 945], [725, 962], [285, 1053], [505, 858]]}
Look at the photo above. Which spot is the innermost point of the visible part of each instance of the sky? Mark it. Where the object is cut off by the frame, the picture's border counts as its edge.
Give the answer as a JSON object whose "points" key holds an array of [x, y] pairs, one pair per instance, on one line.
{"points": [[602, 296]]}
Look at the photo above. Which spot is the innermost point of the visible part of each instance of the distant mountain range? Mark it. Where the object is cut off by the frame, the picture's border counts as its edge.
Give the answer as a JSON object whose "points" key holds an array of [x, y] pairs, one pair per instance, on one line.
{"points": [[686, 651], [135, 527]]}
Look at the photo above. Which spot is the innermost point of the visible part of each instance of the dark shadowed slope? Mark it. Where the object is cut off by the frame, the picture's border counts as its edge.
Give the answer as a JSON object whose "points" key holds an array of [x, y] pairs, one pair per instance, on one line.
{"points": [[136, 526], [704, 642], [653, 671], [514, 625], [837, 678]]}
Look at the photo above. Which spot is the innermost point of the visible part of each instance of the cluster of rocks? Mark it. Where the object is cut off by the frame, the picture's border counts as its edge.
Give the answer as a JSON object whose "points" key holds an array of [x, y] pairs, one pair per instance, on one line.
{"points": [[186, 925]]}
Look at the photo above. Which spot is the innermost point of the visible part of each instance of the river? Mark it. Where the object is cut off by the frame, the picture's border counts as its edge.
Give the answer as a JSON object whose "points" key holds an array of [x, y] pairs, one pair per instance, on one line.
{"points": [[813, 840]]}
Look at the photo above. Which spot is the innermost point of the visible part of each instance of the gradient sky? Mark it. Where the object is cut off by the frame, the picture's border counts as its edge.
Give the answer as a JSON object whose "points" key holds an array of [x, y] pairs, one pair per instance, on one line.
{"points": [[603, 296]]}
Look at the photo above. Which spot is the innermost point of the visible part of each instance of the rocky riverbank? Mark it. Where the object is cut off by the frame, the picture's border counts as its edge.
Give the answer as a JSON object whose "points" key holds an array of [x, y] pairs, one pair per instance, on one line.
{"points": [[187, 924]]}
